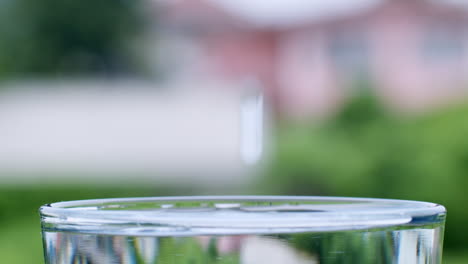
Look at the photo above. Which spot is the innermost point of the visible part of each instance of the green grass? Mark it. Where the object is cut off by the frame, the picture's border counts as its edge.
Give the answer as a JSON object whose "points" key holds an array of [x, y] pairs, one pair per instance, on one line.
{"points": [[455, 257], [20, 241]]}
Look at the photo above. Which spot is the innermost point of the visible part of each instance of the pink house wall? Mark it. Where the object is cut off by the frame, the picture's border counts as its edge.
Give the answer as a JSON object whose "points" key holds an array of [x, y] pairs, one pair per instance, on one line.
{"points": [[243, 55], [406, 80], [306, 79]]}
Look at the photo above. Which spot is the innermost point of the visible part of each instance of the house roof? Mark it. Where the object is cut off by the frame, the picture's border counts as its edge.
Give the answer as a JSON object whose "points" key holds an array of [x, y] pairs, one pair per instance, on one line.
{"points": [[275, 13], [280, 13]]}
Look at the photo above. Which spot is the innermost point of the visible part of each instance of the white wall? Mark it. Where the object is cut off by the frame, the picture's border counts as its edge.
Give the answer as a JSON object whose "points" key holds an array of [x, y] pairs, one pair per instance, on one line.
{"points": [[192, 131]]}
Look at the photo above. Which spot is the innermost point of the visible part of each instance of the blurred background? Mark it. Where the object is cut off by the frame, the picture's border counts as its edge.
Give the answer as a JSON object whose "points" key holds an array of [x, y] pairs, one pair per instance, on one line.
{"points": [[117, 98]]}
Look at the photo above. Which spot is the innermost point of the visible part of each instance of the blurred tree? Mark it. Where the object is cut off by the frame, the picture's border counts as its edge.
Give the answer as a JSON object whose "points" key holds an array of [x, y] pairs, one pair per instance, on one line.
{"points": [[54, 37]]}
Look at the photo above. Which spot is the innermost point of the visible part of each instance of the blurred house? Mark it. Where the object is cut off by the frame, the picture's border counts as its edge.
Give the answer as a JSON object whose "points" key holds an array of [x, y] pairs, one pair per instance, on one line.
{"points": [[310, 55]]}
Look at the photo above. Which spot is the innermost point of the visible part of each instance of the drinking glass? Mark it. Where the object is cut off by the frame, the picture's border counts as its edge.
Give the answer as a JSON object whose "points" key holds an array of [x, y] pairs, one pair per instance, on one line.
{"points": [[244, 230]]}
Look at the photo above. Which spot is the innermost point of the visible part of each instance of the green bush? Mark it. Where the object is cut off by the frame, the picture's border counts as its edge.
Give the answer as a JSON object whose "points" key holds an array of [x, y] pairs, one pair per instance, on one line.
{"points": [[367, 152]]}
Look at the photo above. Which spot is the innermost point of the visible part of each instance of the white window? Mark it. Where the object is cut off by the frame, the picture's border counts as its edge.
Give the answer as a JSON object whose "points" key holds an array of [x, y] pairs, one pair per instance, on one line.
{"points": [[443, 43], [349, 51]]}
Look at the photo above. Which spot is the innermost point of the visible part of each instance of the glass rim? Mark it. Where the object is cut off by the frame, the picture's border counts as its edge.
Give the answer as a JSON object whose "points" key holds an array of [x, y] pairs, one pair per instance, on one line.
{"points": [[182, 215]]}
